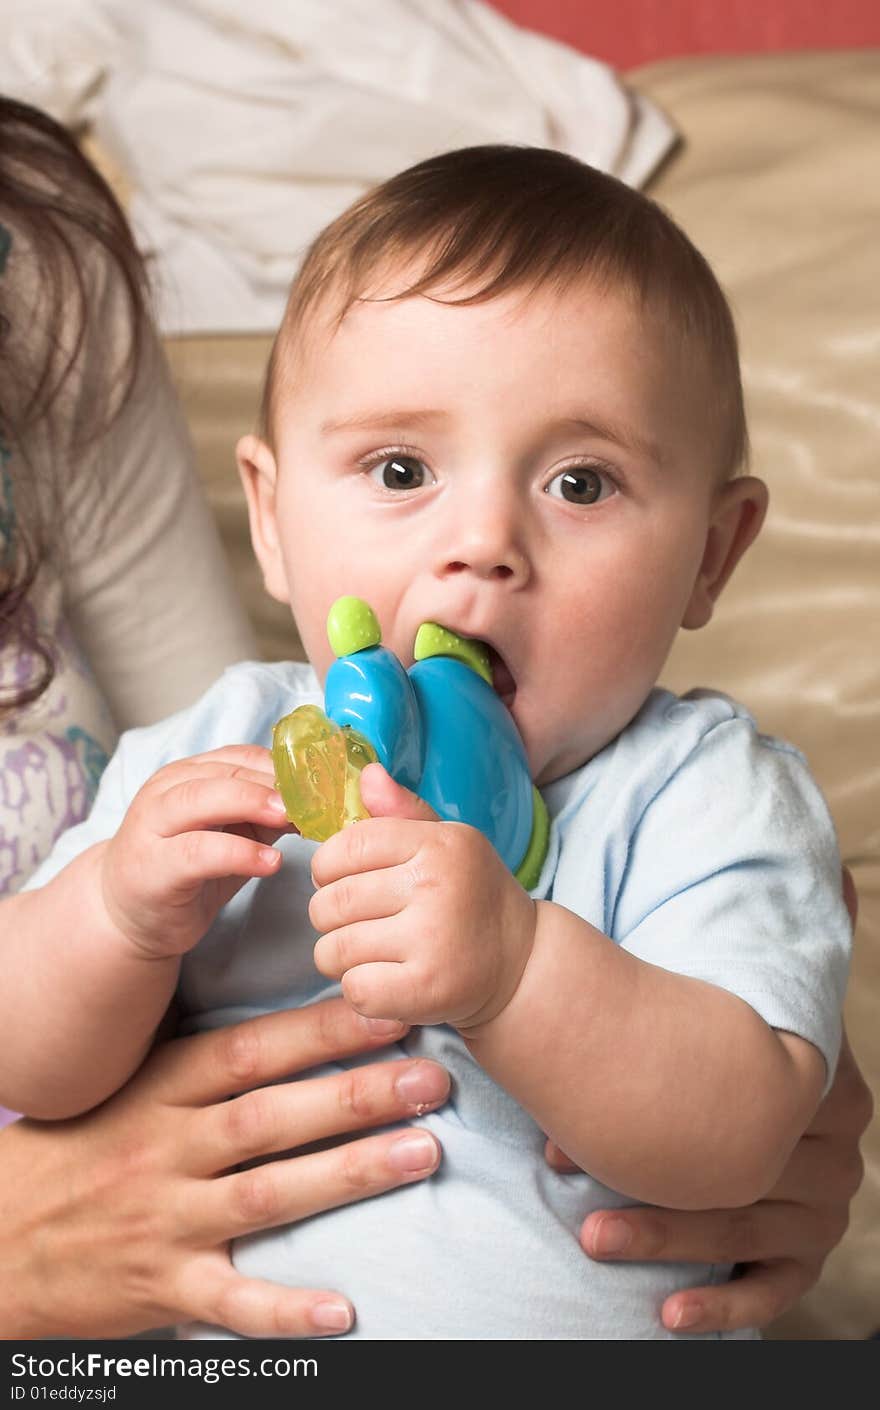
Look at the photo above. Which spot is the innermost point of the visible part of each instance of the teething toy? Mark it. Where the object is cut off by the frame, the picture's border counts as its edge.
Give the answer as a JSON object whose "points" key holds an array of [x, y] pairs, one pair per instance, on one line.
{"points": [[438, 728]]}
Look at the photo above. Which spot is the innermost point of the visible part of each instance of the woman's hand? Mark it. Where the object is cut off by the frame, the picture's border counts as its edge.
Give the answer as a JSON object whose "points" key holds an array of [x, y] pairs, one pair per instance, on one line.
{"points": [[780, 1243], [119, 1221]]}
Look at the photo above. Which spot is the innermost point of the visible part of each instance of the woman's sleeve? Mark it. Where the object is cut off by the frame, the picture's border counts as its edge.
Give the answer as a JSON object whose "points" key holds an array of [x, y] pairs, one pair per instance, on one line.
{"points": [[148, 589]]}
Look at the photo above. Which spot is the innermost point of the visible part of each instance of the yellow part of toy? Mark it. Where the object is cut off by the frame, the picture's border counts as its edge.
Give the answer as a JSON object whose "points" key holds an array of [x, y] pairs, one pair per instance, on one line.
{"points": [[317, 771]]}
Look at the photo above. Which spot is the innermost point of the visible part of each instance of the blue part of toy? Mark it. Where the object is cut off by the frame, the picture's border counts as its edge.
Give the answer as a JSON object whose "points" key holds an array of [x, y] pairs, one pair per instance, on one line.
{"points": [[475, 766], [371, 691], [439, 729]]}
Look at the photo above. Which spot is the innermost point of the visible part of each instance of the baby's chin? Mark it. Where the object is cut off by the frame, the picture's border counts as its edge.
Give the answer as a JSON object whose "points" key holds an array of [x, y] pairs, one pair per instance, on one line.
{"points": [[552, 756], [558, 765]]}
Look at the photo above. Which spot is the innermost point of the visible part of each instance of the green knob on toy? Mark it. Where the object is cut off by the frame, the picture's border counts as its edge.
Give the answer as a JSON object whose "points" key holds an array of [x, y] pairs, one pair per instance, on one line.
{"points": [[352, 625], [434, 640]]}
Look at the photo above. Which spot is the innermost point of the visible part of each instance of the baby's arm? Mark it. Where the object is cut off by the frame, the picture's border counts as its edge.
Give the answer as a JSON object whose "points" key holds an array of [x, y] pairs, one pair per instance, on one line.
{"points": [[666, 1088], [90, 959], [671, 1090], [78, 1005]]}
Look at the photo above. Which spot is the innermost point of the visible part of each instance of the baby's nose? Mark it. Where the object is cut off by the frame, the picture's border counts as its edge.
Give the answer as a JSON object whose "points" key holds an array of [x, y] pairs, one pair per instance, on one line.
{"points": [[482, 570], [489, 550]]}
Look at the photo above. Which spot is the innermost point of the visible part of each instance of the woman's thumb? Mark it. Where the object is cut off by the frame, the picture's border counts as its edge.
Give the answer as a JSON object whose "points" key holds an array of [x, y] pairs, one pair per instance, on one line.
{"points": [[383, 798]]}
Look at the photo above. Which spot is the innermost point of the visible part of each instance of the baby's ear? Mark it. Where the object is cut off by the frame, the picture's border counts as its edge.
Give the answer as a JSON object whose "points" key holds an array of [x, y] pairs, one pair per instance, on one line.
{"points": [[736, 519], [258, 471]]}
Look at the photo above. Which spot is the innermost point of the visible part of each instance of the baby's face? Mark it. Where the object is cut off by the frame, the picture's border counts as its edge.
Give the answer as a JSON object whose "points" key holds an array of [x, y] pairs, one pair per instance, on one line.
{"points": [[531, 471]]}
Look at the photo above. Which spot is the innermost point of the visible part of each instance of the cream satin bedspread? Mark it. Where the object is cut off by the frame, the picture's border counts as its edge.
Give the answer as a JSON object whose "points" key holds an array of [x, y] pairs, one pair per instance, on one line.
{"points": [[777, 181]]}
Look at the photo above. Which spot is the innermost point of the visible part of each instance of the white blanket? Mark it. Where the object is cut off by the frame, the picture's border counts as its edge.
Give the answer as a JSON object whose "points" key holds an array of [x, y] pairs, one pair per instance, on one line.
{"points": [[242, 126]]}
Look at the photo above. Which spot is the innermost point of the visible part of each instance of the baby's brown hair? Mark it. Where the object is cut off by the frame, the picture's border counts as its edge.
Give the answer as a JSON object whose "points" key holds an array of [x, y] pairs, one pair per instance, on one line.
{"points": [[494, 219]]}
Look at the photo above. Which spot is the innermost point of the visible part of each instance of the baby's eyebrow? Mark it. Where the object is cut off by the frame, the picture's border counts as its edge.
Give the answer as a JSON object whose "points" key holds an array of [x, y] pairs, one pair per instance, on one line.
{"points": [[383, 420], [621, 435], [380, 419]]}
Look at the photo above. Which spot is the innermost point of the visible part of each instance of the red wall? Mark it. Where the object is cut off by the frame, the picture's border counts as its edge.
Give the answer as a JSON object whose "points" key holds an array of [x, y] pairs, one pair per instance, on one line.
{"points": [[627, 33]]}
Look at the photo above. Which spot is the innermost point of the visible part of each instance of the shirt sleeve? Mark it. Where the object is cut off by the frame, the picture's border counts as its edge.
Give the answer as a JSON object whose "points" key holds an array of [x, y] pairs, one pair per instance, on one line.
{"points": [[148, 590], [733, 876]]}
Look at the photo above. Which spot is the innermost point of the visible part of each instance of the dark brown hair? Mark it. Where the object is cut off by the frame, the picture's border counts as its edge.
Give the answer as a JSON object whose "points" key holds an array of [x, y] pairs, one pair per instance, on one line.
{"points": [[60, 229], [498, 218]]}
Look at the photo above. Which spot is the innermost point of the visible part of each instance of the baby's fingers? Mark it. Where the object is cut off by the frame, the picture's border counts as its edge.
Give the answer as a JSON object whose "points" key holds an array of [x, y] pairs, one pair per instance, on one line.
{"points": [[196, 857], [371, 845], [253, 757], [215, 801], [357, 945], [372, 895]]}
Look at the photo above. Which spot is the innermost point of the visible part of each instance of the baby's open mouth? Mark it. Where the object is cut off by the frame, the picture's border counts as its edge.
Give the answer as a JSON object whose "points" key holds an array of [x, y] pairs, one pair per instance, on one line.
{"points": [[502, 679]]}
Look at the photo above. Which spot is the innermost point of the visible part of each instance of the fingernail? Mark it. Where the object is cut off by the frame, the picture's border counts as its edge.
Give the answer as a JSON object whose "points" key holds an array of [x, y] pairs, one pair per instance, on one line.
{"points": [[383, 1027], [612, 1236], [422, 1085], [413, 1153], [688, 1315], [332, 1315], [276, 803]]}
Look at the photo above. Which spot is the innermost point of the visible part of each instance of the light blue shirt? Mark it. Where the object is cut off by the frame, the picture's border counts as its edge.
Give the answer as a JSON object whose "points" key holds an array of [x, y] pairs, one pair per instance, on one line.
{"points": [[692, 840]]}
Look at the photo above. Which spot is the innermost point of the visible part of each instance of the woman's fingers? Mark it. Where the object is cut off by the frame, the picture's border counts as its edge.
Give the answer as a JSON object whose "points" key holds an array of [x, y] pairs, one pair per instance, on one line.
{"points": [[850, 896], [210, 1067], [821, 1168], [756, 1299], [223, 1298], [273, 1119], [283, 1191], [847, 1107], [762, 1237], [759, 1232], [558, 1160]]}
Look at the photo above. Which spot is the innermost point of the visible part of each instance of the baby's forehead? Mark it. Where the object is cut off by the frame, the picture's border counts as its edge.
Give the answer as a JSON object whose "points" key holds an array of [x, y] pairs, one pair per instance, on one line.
{"points": [[367, 322], [603, 358]]}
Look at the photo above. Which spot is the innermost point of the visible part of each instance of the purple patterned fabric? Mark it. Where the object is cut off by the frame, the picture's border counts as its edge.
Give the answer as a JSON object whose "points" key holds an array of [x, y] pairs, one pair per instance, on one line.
{"points": [[50, 763]]}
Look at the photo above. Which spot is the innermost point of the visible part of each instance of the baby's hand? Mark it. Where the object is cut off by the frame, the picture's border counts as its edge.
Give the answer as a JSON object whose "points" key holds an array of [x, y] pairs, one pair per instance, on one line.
{"points": [[421, 920], [193, 834]]}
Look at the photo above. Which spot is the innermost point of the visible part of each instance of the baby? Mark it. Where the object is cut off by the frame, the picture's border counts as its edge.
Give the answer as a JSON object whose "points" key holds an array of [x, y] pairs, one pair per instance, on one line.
{"points": [[505, 397]]}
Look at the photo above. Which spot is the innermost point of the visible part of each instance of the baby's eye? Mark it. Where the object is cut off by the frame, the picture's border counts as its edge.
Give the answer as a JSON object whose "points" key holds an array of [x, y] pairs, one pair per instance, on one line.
{"points": [[401, 472], [580, 484]]}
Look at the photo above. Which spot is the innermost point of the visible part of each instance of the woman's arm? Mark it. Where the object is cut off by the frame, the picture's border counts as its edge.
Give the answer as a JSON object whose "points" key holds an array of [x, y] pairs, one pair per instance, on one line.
{"points": [[119, 1221], [148, 589]]}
